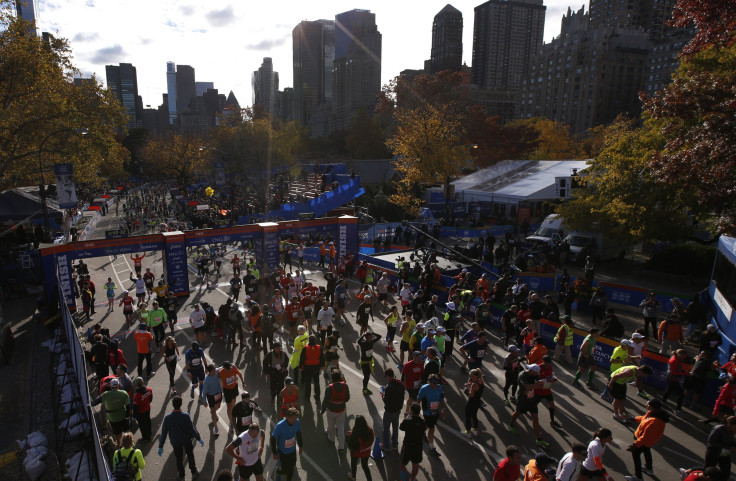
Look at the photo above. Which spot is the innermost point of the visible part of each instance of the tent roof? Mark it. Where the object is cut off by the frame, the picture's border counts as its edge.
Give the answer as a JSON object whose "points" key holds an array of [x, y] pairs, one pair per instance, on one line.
{"points": [[23, 204], [531, 179]]}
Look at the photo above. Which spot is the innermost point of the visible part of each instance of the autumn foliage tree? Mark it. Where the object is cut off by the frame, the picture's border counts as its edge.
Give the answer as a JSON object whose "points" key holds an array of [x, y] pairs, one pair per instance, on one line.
{"points": [[494, 142], [696, 113], [42, 112], [431, 113], [175, 155]]}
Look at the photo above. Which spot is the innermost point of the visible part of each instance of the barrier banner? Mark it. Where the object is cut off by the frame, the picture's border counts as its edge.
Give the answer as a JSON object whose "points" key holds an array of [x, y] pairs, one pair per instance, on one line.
{"points": [[270, 246], [175, 263], [66, 193]]}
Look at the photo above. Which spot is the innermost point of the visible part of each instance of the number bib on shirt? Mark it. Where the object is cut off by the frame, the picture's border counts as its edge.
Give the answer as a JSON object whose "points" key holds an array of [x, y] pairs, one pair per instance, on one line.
{"points": [[289, 443]]}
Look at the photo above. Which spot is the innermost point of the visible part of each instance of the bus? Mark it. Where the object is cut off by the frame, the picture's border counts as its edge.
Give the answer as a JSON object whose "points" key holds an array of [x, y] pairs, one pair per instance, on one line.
{"points": [[722, 293]]}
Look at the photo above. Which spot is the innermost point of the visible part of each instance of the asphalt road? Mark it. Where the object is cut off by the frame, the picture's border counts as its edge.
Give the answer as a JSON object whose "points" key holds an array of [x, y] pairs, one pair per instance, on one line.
{"points": [[580, 412]]}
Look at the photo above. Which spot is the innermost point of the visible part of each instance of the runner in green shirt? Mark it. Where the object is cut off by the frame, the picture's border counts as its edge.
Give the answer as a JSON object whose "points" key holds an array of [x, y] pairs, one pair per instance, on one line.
{"points": [[617, 386], [586, 362], [156, 320]]}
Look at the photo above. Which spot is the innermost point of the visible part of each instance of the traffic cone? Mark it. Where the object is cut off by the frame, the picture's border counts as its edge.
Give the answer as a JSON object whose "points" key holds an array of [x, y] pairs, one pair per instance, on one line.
{"points": [[377, 453]]}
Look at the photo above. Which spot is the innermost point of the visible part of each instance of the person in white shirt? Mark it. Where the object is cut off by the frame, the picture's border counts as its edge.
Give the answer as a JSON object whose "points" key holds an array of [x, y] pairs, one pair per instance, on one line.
{"points": [[249, 445], [196, 320], [325, 317], [383, 284], [592, 466], [639, 343], [569, 467]]}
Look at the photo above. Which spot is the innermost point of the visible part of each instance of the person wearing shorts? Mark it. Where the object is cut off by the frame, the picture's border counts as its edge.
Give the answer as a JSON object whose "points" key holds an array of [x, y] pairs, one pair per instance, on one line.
{"points": [[412, 447], [247, 449], [229, 375], [432, 397], [195, 361], [213, 395], [197, 321], [529, 380]]}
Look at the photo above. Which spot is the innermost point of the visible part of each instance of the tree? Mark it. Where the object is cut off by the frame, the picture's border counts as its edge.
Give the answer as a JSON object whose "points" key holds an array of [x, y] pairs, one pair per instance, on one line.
{"points": [[42, 112], [696, 115], [554, 141], [366, 138], [495, 143], [620, 196], [175, 155], [714, 20], [431, 113]]}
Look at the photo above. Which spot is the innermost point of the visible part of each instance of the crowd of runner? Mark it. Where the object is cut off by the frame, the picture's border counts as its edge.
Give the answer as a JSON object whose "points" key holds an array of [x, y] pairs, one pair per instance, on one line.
{"points": [[293, 327]]}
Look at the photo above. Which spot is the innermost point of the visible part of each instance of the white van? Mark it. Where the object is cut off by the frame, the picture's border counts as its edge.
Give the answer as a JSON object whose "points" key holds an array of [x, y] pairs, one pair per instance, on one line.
{"points": [[550, 232], [600, 248]]}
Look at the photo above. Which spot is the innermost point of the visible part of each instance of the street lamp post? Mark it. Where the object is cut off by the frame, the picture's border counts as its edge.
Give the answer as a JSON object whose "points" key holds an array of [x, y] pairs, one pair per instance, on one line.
{"points": [[42, 185]]}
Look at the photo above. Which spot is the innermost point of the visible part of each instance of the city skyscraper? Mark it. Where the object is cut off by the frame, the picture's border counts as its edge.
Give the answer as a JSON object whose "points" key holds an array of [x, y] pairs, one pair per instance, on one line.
{"points": [[186, 88], [201, 87], [506, 36], [27, 9], [357, 72], [122, 80], [265, 86], [171, 90], [312, 54], [447, 40]]}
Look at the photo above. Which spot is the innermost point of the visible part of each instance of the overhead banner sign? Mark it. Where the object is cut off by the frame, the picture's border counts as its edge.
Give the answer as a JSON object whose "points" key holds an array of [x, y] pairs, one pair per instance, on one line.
{"points": [[219, 173], [66, 193]]}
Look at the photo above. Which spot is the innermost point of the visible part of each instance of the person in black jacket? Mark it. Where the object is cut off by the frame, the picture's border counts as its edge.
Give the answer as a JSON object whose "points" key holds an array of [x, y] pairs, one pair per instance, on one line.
{"points": [[393, 401], [100, 357], [612, 327]]}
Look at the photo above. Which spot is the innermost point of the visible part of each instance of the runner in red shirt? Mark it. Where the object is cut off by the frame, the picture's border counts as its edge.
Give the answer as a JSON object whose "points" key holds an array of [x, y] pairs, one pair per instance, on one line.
{"points": [[293, 314], [546, 374], [411, 376], [142, 397], [127, 303], [510, 468], [309, 298], [148, 279], [236, 264]]}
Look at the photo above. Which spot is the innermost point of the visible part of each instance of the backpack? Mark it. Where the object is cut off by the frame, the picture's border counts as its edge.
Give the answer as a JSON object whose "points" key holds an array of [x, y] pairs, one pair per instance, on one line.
{"points": [[126, 468], [234, 317]]}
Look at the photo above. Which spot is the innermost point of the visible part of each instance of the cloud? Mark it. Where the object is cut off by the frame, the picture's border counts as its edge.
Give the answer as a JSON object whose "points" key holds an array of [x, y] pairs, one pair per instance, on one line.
{"points": [[86, 37], [146, 41], [186, 10], [265, 45], [220, 18], [108, 54]]}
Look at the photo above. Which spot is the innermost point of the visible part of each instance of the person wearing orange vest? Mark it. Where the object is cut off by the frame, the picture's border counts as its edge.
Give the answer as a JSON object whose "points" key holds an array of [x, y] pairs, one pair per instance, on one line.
{"points": [[310, 363], [143, 339], [337, 394], [360, 440], [333, 252], [322, 253]]}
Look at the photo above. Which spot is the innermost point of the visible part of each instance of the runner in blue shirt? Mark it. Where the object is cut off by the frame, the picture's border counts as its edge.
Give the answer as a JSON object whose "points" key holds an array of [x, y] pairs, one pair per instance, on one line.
{"points": [[286, 435], [195, 362], [475, 350], [432, 398]]}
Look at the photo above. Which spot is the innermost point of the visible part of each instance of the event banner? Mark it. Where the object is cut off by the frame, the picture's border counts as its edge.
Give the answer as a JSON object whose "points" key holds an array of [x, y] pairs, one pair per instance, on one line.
{"points": [[66, 193], [177, 272], [219, 173]]}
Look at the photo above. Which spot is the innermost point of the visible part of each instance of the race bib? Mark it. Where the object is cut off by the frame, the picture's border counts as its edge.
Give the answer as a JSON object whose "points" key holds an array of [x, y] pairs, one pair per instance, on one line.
{"points": [[515, 365], [171, 358], [218, 397], [369, 353], [230, 380], [434, 406], [289, 443], [196, 361], [246, 420], [252, 448], [416, 384], [480, 353], [530, 394], [334, 348], [277, 367]]}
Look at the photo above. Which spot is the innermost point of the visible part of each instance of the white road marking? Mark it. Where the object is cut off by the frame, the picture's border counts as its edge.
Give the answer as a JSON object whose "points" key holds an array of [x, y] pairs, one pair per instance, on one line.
{"points": [[696, 462]]}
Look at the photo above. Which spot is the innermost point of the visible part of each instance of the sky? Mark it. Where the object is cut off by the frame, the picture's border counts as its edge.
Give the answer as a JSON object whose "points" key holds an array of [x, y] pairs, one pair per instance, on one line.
{"points": [[226, 41]]}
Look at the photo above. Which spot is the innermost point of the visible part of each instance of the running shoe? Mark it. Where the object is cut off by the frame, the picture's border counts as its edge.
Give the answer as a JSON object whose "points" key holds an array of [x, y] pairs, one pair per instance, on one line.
{"points": [[683, 473], [577, 384], [506, 401], [542, 443], [367, 392], [633, 478], [590, 385], [434, 453], [679, 412], [648, 471], [608, 397], [341, 451], [173, 389], [476, 431], [191, 394], [350, 476], [467, 434], [512, 429], [643, 395], [217, 430], [555, 424]]}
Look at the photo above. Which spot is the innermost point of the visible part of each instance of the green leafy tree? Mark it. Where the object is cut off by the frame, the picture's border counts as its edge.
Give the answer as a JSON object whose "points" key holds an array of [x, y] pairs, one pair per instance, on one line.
{"points": [[366, 137], [42, 112], [621, 197], [174, 155]]}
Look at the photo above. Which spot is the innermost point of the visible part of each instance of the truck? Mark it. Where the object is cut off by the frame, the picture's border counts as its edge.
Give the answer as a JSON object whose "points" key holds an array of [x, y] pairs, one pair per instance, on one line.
{"points": [[553, 230]]}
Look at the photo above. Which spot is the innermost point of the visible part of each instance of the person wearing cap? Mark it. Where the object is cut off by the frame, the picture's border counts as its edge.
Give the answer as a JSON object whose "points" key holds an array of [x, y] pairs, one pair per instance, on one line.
{"points": [[300, 341], [617, 388], [228, 375], [127, 303], [569, 466], [415, 341], [670, 333], [363, 313], [142, 398], [650, 311], [649, 430], [538, 351], [412, 374], [196, 320], [612, 327], [710, 339], [143, 340], [639, 342], [586, 363], [117, 409], [289, 396], [243, 413], [432, 398], [676, 374], [194, 362], [622, 355], [536, 469], [511, 367], [428, 341], [529, 381], [405, 297]]}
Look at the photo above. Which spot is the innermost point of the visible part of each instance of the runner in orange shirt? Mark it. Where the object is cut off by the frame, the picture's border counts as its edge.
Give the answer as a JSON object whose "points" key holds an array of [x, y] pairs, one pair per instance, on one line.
{"points": [[229, 375], [143, 339]]}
